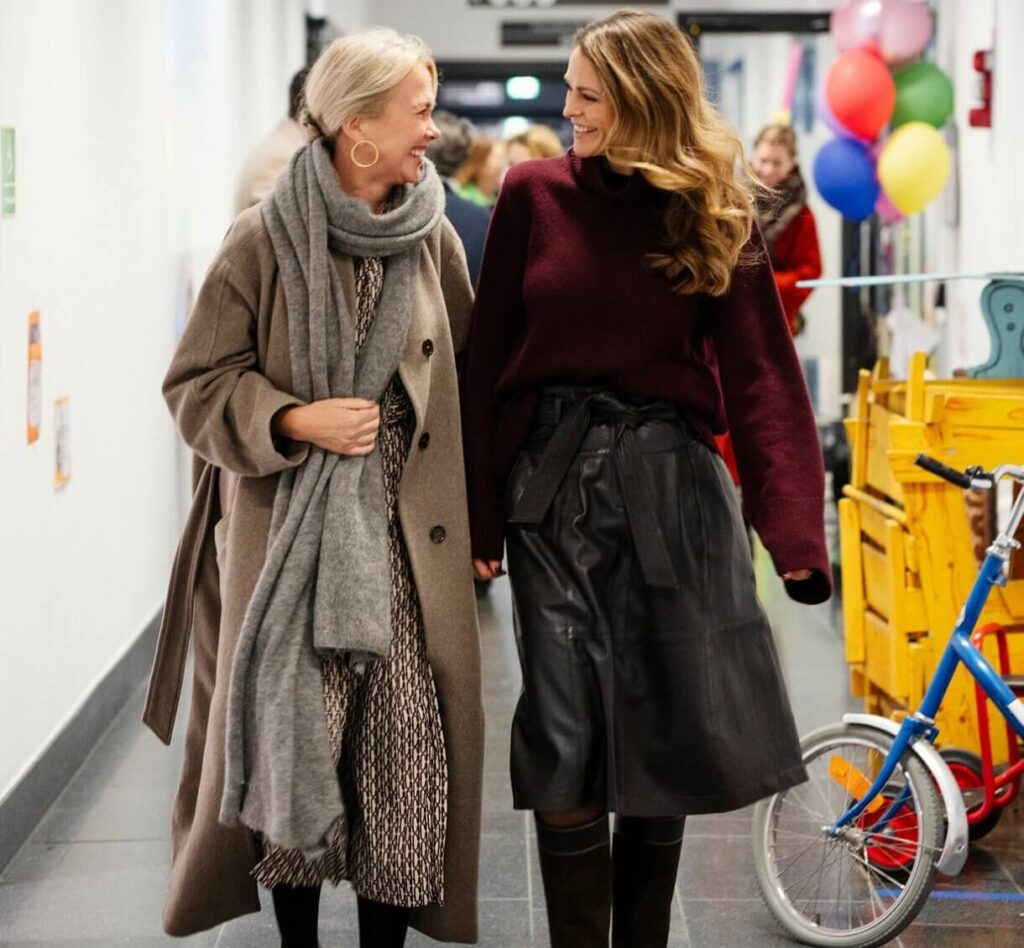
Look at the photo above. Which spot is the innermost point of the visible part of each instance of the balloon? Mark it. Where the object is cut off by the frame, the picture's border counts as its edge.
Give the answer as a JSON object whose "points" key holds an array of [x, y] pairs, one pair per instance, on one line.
{"points": [[845, 176], [887, 212], [861, 93], [897, 30], [824, 113], [914, 166], [906, 29], [924, 93], [856, 24]]}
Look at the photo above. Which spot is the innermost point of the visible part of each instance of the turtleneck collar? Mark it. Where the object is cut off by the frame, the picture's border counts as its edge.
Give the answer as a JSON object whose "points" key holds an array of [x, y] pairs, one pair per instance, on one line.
{"points": [[596, 175]]}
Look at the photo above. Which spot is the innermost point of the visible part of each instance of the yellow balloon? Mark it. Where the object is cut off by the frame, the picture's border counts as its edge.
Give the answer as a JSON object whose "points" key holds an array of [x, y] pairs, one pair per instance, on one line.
{"points": [[914, 166]]}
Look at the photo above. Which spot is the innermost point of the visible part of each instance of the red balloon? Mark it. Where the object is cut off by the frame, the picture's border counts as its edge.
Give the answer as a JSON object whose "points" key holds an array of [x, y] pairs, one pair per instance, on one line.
{"points": [[861, 93]]}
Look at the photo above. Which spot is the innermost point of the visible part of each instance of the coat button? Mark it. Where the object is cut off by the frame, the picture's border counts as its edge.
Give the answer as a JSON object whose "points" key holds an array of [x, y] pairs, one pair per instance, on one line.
{"points": [[438, 535], [428, 347], [424, 440]]}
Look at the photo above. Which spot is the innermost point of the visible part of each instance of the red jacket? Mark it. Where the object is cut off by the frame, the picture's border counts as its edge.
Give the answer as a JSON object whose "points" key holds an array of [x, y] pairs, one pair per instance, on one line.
{"points": [[795, 256]]}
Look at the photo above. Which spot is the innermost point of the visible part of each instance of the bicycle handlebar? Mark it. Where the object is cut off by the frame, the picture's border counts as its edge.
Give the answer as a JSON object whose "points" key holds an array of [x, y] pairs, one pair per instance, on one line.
{"points": [[941, 470]]}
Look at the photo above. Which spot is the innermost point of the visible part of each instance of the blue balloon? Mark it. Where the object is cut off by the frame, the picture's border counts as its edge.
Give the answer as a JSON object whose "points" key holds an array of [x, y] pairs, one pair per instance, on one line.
{"points": [[844, 173]]}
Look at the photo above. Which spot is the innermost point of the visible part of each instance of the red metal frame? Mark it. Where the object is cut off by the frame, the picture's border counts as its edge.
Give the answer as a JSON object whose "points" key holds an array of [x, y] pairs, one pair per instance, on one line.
{"points": [[1000, 789]]}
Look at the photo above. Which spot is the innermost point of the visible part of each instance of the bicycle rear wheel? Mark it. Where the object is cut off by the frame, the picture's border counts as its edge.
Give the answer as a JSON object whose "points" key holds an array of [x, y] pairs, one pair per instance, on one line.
{"points": [[862, 887]]}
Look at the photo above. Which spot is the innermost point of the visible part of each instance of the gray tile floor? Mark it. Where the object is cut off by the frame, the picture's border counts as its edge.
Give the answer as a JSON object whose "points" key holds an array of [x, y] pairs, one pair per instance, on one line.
{"points": [[95, 870]]}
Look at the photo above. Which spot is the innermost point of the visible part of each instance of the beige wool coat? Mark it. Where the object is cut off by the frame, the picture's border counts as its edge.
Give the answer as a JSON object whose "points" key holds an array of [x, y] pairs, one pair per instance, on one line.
{"points": [[230, 374]]}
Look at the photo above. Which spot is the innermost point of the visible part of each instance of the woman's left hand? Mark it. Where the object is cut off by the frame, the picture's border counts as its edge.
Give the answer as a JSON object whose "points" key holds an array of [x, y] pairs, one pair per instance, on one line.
{"points": [[798, 575]]}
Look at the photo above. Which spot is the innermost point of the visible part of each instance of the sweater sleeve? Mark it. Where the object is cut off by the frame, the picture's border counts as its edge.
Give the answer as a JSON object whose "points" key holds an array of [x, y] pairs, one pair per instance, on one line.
{"points": [[773, 429], [496, 324], [223, 405]]}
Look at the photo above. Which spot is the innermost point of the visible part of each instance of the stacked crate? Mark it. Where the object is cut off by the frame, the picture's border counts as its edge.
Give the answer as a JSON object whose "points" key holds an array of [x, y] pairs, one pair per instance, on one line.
{"points": [[909, 554]]}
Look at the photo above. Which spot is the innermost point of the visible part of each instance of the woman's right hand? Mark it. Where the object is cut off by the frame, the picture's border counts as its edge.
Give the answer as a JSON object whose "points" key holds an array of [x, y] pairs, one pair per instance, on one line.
{"points": [[487, 569], [342, 425]]}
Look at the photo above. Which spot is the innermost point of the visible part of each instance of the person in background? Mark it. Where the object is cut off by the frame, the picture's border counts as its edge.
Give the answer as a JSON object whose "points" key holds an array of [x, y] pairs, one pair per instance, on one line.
{"points": [[448, 154], [269, 158], [480, 175], [790, 235], [538, 141], [626, 307], [786, 221]]}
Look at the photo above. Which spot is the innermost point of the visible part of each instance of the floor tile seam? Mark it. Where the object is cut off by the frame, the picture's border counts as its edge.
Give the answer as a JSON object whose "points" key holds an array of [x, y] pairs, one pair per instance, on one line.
{"points": [[1006, 872], [682, 914]]}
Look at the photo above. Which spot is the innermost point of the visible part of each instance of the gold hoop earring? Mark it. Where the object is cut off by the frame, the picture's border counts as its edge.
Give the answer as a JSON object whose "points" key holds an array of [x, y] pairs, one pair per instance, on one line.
{"points": [[359, 164]]}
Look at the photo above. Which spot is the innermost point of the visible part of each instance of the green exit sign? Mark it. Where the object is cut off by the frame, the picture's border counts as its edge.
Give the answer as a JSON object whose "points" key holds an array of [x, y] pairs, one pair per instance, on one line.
{"points": [[7, 171]]}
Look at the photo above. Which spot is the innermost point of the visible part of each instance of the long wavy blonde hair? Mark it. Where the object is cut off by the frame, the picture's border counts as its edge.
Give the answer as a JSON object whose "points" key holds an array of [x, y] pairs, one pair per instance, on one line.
{"points": [[665, 129]]}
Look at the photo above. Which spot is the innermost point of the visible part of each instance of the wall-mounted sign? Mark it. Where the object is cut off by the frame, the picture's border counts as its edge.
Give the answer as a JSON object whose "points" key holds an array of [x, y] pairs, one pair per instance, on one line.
{"points": [[35, 378], [62, 426], [8, 181], [540, 32]]}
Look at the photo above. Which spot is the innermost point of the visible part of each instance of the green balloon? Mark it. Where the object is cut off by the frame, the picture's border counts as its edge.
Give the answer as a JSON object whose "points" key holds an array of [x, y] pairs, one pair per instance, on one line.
{"points": [[923, 94]]}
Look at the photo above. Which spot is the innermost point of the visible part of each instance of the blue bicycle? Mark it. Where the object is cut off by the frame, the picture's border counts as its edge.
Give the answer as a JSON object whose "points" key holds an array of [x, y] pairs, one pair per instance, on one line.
{"points": [[849, 857]]}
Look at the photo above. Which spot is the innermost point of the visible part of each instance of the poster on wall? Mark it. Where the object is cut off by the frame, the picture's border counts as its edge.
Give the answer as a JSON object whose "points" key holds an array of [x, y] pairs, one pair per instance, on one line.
{"points": [[35, 377], [62, 426], [8, 180]]}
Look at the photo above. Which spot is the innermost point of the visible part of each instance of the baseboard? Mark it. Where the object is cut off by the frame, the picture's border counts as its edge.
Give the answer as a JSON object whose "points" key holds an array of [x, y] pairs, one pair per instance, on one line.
{"points": [[30, 798]]}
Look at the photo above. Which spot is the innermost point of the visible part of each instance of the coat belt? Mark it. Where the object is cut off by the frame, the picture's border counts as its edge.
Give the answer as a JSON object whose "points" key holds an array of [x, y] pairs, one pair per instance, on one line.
{"points": [[168, 671], [562, 448]]}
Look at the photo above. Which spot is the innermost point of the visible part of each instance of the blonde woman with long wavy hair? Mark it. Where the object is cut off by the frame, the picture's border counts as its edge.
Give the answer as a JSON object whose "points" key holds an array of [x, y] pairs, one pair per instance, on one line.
{"points": [[626, 313]]}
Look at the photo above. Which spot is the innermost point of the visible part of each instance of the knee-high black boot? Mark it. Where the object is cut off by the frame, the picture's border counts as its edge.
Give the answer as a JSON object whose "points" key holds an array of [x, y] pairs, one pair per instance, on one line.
{"points": [[576, 870], [382, 926], [645, 858], [297, 910]]}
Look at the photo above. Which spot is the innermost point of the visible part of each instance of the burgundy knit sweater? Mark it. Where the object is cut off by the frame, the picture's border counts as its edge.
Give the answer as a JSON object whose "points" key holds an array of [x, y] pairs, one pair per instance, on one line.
{"points": [[565, 297]]}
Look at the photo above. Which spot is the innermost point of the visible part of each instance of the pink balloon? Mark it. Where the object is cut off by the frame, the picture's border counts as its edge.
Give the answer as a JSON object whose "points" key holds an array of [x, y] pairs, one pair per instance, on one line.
{"points": [[906, 29], [898, 30], [887, 212], [856, 24]]}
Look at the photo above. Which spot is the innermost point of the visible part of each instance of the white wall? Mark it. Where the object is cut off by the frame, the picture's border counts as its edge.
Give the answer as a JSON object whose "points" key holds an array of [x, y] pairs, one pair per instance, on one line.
{"points": [[132, 118], [990, 234]]}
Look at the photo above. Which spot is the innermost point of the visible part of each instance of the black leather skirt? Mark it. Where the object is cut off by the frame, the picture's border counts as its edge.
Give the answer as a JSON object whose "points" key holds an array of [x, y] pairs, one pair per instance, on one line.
{"points": [[651, 683]]}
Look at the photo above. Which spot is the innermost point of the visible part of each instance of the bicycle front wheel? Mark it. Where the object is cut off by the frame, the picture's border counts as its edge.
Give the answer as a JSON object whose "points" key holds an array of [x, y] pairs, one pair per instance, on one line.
{"points": [[861, 887]]}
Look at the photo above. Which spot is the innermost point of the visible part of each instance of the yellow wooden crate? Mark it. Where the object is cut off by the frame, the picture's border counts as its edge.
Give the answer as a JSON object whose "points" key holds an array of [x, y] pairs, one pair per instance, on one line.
{"points": [[908, 552]]}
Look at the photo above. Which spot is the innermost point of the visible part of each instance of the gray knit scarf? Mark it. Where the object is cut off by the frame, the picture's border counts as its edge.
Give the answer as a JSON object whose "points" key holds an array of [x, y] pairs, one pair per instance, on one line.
{"points": [[325, 585], [776, 211]]}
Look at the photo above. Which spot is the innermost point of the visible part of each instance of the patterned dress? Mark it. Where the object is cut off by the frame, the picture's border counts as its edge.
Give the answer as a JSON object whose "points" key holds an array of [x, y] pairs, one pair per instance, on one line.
{"points": [[383, 719]]}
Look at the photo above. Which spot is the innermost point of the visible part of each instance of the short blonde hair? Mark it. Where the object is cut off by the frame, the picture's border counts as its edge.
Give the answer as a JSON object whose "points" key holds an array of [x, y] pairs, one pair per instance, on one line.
{"points": [[540, 141], [782, 135], [355, 74]]}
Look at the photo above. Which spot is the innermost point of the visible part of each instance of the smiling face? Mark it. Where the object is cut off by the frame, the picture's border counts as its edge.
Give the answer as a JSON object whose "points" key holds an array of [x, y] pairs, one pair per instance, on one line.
{"points": [[587, 106], [401, 133], [772, 163]]}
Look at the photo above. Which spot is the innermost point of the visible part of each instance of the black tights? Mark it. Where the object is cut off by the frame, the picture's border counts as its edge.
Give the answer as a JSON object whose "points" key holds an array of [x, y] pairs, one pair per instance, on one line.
{"points": [[297, 909]]}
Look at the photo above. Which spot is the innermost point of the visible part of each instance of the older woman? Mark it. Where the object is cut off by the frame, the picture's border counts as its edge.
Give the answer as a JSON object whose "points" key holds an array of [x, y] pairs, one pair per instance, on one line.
{"points": [[336, 725]]}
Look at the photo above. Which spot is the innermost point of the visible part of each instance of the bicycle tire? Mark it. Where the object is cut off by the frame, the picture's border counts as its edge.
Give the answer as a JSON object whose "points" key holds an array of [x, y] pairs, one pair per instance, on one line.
{"points": [[905, 901]]}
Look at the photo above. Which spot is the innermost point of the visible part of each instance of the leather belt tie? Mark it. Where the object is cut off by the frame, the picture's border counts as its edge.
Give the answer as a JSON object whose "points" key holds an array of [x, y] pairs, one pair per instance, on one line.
{"points": [[562, 449]]}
